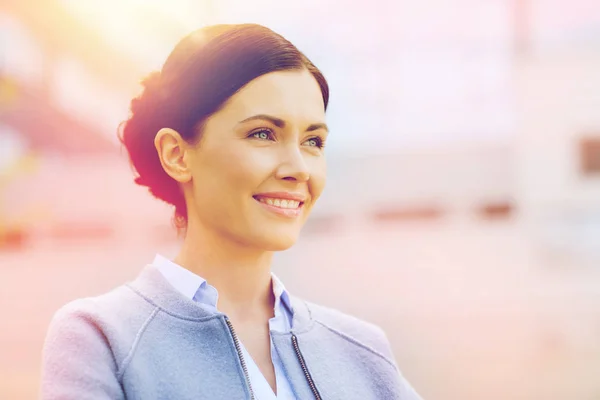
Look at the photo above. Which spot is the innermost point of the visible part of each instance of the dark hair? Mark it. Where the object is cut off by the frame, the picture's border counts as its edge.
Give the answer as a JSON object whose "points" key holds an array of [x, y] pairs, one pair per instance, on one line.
{"points": [[202, 72]]}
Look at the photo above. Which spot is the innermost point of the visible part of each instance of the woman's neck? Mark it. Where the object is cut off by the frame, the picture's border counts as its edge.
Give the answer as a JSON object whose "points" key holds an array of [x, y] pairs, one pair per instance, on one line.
{"points": [[241, 275]]}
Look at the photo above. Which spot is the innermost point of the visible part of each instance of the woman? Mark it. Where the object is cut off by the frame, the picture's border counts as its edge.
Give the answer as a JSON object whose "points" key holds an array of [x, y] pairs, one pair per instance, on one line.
{"points": [[231, 133]]}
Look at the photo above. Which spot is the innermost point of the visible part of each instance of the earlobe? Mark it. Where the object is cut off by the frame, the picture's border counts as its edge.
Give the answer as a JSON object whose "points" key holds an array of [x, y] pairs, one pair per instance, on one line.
{"points": [[171, 149]]}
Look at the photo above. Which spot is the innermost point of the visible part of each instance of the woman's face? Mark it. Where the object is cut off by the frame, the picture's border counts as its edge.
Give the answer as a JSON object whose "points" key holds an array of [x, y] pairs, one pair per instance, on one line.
{"points": [[260, 167]]}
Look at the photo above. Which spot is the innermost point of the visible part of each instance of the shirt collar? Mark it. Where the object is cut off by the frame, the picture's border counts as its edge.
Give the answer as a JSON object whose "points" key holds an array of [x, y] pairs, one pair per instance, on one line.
{"points": [[190, 284], [184, 280], [281, 295]]}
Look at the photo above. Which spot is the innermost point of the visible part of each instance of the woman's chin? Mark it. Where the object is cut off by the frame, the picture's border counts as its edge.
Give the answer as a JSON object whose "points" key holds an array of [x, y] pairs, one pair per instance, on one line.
{"points": [[279, 242]]}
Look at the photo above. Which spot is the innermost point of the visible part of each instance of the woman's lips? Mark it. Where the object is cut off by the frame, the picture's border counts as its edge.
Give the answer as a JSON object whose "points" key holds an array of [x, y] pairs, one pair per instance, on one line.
{"points": [[288, 206]]}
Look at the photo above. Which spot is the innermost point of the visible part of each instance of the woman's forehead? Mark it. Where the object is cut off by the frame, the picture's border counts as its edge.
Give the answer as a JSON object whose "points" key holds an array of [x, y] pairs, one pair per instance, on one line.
{"points": [[285, 94]]}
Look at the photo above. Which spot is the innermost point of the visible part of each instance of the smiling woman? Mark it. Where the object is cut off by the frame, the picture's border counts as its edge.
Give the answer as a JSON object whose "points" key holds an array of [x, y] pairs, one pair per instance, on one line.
{"points": [[231, 132], [261, 142]]}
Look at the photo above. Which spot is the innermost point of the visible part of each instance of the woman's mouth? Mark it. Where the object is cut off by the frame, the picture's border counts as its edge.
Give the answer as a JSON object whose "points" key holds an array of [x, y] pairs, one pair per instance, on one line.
{"points": [[281, 206], [282, 203]]}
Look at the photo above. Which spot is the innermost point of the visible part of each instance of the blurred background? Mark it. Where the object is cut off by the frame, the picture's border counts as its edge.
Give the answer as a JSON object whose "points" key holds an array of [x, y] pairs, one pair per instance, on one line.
{"points": [[463, 201]]}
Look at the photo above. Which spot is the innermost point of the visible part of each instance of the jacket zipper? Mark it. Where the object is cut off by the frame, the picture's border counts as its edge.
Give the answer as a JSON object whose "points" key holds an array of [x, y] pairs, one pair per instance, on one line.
{"points": [[236, 342], [311, 383]]}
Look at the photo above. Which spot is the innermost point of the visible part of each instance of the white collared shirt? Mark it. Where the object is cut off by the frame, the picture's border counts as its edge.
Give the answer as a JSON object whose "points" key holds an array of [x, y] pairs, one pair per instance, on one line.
{"points": [[197, 288]]}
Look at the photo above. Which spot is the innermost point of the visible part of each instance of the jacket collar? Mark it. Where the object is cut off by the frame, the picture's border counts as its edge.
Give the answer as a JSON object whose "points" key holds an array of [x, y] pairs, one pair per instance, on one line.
{"points": [[151, 285]]}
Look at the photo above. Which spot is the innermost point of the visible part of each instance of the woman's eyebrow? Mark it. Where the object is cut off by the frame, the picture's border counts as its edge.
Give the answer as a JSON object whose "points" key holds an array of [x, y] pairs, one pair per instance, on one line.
{"points": [[315, 127], [278, 122]]}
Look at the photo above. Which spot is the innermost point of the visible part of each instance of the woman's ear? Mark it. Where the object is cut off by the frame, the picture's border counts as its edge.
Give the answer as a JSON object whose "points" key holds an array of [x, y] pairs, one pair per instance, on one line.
{"points": [[173, 154]]}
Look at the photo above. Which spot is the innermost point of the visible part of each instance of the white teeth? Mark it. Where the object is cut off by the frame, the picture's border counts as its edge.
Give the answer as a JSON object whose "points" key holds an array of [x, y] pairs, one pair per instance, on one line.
{"points": [[281, 203]]}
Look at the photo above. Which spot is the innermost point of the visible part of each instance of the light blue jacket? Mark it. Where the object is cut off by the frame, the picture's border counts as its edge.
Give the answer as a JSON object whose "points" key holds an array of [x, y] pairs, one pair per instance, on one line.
{"points": [[145, 340]]}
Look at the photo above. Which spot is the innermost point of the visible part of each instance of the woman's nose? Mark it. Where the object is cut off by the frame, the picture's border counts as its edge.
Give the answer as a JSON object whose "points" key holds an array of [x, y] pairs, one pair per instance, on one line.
{"points": [[293, 165]]}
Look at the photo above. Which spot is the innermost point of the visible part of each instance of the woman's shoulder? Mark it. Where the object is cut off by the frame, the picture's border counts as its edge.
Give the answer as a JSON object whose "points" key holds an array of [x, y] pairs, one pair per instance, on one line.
{"points": [[118, 305], [112, 319], [89, 340], [351, 328]]}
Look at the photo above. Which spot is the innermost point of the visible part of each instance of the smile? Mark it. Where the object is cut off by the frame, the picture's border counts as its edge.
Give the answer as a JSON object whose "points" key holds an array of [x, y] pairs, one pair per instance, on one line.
{"points": [[285, 207], [281, 203]]}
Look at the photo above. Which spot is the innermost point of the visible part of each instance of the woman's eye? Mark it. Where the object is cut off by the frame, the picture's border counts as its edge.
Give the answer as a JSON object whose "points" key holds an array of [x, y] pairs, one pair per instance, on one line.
{"points": [[315, 142], [263, 134]]}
